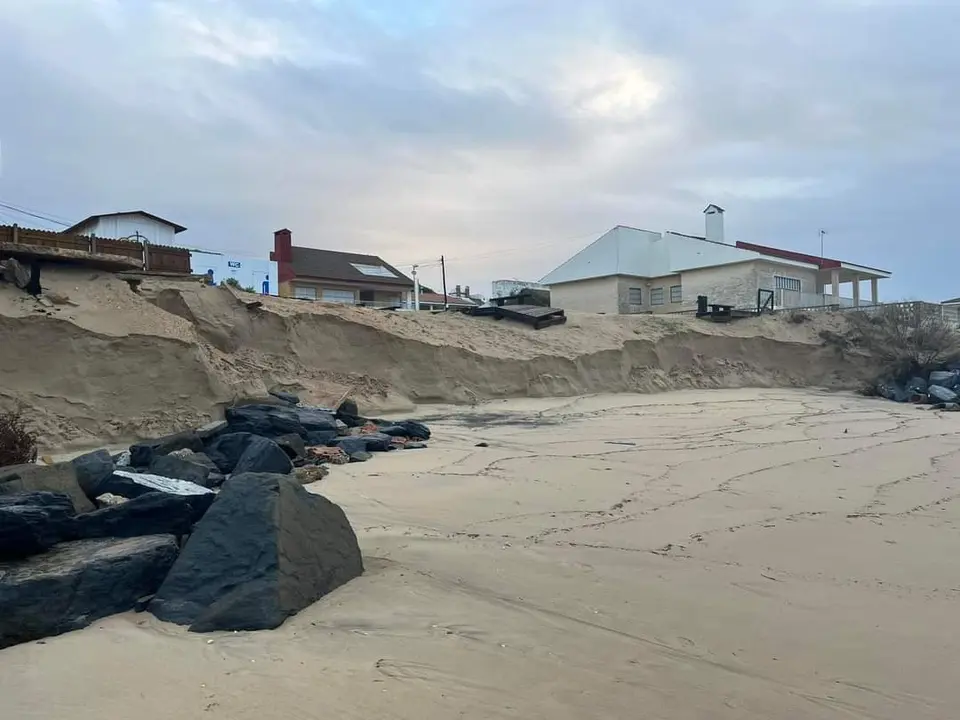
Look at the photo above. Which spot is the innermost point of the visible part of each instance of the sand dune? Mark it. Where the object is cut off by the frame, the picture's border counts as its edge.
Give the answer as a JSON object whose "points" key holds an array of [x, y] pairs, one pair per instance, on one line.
{"points": [[113, 365], [730, 554]]}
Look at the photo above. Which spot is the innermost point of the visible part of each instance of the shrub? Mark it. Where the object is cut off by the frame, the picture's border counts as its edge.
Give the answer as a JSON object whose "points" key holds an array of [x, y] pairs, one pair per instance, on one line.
{"points": [[905, 339], [798, 317], [232, 282], [18, 445]]}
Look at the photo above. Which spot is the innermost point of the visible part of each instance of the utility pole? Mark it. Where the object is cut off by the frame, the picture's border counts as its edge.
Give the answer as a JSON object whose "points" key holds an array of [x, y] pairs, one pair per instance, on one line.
{"points": [[823, 287], [416, 289], [443, 274]]}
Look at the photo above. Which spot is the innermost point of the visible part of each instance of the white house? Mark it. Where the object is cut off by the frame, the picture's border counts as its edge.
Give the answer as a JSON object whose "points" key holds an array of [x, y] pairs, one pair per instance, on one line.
{"points": [[628, 270], [133, 225]]}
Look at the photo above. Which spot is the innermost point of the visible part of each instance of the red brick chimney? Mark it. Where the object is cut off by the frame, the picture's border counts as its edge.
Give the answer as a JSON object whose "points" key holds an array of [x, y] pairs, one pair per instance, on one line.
{"points": [[283, 254]]}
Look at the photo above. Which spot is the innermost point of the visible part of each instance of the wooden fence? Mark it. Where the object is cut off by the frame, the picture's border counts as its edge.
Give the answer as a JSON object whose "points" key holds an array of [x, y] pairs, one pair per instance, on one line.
{"points": [[157, 258]]}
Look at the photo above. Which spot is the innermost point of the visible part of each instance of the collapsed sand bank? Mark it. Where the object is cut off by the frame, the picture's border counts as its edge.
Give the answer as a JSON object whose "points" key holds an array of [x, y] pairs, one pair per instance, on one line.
{"points": [[111, 364], [735, 554]]}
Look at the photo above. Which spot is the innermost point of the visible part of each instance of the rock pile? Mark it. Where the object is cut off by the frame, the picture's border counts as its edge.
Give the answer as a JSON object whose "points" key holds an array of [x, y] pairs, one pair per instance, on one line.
{"points": [[938, 388], [105, 534]]}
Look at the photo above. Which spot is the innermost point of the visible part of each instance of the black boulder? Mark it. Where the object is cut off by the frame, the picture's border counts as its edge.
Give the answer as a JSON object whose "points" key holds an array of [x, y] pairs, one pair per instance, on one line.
{"points": [[143, 453], [155, 513], [263, 456], [132, 485], [184, 465], [77, 583], [264, 551], [225, 450], [91, 470], [265, 420], [33, 522]]}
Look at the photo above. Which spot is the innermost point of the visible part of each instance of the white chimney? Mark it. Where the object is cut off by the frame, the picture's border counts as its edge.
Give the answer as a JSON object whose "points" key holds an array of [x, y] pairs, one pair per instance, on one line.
{"points": [[714, 222]]}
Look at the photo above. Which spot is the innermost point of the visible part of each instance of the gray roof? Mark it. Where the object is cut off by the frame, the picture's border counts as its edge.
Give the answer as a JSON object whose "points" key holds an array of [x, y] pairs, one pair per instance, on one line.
{"points": [[334, 265], [177, 228]]}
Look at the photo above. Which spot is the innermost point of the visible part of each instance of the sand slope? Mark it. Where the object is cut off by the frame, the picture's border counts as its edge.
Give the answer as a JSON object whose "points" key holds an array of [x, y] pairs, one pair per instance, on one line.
{"points": [[732, 555], [114, 365]]}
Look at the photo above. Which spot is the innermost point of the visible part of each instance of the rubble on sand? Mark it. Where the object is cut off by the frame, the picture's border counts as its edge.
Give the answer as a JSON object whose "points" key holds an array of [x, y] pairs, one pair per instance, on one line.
{"points": [[103, 533], [940, 389]]}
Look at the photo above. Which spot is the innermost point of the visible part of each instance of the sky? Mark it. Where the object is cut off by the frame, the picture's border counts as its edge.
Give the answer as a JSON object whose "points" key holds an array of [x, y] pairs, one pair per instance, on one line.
{"points": [[502, 134]]}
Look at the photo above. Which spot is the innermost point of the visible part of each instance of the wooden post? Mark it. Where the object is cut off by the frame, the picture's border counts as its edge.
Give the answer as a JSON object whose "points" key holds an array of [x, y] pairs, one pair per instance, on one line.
{"points": [[16, 233]]}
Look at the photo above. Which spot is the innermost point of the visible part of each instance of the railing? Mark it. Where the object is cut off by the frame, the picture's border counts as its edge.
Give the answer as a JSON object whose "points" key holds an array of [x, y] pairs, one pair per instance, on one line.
{"points": [[157, 257]]}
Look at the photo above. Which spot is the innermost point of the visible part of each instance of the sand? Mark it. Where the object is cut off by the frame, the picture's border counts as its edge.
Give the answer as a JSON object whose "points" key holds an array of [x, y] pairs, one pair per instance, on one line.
{"points": [[698, 554], [107, 365]]}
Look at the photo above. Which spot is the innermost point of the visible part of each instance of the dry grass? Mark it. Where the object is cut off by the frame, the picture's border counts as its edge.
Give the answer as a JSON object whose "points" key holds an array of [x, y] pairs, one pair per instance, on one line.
{"points": [[905, 340], [18, 444]]}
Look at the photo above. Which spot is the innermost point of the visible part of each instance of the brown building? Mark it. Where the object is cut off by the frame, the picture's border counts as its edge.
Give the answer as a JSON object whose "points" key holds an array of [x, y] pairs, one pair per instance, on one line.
{"points": [[331, 276]]}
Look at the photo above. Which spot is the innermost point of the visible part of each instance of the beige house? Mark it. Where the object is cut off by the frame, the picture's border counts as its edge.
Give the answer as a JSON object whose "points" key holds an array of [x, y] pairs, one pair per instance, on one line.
{"points": [[628, 270]]}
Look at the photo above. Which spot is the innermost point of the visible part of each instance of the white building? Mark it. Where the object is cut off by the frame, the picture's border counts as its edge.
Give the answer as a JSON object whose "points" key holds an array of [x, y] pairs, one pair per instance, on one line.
{"points": [[628, 270], [508, 288], [250, 273], [133, 225]]}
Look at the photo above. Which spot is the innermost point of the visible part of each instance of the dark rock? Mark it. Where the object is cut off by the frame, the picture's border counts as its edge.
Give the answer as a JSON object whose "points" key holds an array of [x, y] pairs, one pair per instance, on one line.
{"points": [[263, 456], [321, 437], [265, 550], [76, 583], [225, 450], [142, 603], [352, 444], [373, 442], [945, 379], [91, 470], [285, 396], [155, 513], [361, 456], [942, 394], [415, 446], [482, 444], [32, 522], [143, 453], [407, 428], [348, 407], [266, 420], [212, 429], [132, 485], [215, 479], [316, 420], [894, 391], [59, 478], [184, 465], [292, 445], [916, 385]]}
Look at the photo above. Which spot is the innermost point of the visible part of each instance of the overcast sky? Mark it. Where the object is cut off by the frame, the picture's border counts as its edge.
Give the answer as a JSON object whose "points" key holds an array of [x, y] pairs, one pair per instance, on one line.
{"points": [[505, 134]]}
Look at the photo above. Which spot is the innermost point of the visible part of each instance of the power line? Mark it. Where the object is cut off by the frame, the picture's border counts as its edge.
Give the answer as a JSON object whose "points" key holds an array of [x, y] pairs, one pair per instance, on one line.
{"points": [[29, 213]]}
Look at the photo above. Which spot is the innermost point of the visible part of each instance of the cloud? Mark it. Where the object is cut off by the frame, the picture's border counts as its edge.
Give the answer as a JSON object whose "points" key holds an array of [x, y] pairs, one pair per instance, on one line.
{"points": [[504, 134]]}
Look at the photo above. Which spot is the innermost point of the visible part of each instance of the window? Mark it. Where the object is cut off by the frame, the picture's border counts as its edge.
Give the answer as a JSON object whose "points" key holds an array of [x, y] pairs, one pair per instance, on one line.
{"points": [[636, 296], [676, 293], [304, 292], [656, 296], [366, 296], [786, 283], [373, 270], [338, 296]]}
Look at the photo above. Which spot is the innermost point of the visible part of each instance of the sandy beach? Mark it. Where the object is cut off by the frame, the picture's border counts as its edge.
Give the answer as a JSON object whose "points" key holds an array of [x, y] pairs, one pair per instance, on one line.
{"points": [[698, 554]]}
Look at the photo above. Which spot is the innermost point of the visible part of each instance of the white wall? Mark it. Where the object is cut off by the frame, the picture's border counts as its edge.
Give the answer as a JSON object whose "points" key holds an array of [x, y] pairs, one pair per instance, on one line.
{"points": [[737, 284], [597, 295], [507, 288], [249, 272], [127, 226]]}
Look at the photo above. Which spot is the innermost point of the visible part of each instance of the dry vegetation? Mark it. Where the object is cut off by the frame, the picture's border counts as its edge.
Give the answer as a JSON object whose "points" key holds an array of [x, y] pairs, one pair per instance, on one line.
{"points": [[905, 341], [18, 444]]}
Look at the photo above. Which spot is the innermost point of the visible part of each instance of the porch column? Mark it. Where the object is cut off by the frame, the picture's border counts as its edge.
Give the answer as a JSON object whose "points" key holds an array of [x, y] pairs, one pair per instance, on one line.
{"points": [[856, 291], [873, 291], [835, 280]]}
